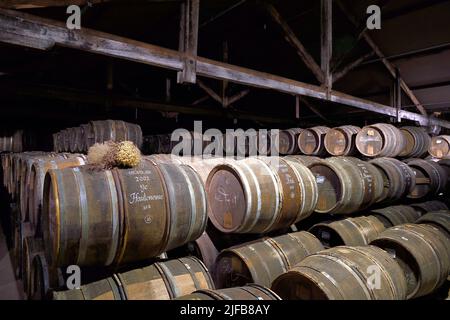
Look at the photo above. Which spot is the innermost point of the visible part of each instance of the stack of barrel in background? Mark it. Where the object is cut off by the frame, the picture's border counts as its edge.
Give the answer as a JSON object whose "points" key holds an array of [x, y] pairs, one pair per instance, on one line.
{"points": [[79, 139], [295, 227], [12, 143]]}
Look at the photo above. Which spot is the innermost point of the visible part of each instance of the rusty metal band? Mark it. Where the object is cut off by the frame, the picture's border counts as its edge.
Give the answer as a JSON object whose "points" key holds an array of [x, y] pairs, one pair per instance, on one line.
{"points": [[319, 283], [258, 199], [120, 288], [168, 210], [59, 219], [204, 200], [114, 219], [258, 297], [193, 211], [279, 194], [358, 275], [191, 273], [123, 222], [281, 254], [247, 192], [168, 279], [84, 217], [205, 272]]}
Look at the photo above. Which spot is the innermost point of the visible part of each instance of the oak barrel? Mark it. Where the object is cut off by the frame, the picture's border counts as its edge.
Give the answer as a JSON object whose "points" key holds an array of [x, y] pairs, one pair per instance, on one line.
{"points": [[261, 261], [428, 206], [311, 141], [357, 231], [164, 280], [440, 147], [254, 195], [440, 219], [343, 273], [346, 185], [340, 141], [396, 215], [287, 141], [417, 142], [431, 178], [100, 218], [380, 140], [423, 251], [249, 292], [398, 178]]}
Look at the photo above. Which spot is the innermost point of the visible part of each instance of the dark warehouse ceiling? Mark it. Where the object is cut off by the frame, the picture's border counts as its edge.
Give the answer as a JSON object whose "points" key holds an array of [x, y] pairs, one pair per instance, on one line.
{"points": [[63, 87]]}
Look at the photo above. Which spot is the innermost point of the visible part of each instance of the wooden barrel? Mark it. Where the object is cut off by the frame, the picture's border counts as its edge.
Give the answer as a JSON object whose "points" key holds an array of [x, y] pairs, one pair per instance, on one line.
{"points": [[166, 280], [343, 273], [445, 164], [43, 278], [358, 231], [396, 215], [21, 232], [249, 292], [287, 141], [311, 141], [6, 144], [36, 183], [86, 137], [380, 140], [31, 247], [428, 206], [346, 185], [417, 142], [440, 147], [105, 289], [203, 167], [431, 178], [340, 141], [304, 160], [132, 214], [423, 251], [26, 186], [253, 196], [440, 219], [116, 130], [160, 281], [263, 260], [264, 143], [398, 178], [18, 141]]}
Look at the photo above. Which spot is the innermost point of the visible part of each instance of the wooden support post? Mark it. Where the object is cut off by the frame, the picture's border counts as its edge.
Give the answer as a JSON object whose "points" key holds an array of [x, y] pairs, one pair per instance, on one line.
{"points": [[326, 42], [225, 82], [188, 41], [398, 92]]}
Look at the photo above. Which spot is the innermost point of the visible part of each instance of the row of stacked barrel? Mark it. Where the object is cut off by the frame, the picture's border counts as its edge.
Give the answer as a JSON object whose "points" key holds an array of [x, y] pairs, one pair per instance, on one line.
{"points": [[12, 143], [137, 214], [79, 139], [411, 259], [377, 140]]}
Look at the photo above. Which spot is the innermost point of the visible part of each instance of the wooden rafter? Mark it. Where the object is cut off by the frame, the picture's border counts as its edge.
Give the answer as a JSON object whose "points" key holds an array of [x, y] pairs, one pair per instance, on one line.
{"points": [[386, 62], [17, 24]]}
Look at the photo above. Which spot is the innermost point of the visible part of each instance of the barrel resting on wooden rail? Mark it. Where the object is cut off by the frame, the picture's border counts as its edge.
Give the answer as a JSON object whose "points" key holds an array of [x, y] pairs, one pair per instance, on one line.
{"points": [[28, 30]]}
